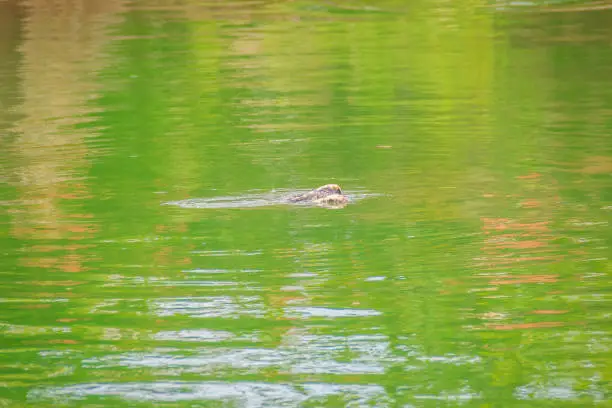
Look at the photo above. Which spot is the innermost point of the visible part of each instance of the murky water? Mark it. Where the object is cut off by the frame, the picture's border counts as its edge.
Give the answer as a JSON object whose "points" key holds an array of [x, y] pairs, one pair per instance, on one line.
{"points": [[148, 257]]}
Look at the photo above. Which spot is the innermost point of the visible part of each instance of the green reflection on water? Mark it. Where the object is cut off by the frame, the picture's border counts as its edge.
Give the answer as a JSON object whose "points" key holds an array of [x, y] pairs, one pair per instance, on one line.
{"points": [[474, 271]]}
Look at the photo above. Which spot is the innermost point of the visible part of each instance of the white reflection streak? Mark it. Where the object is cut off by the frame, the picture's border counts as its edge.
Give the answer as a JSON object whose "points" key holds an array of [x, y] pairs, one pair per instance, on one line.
{"points": [[247, 394], [219, 306], [305, 312]]}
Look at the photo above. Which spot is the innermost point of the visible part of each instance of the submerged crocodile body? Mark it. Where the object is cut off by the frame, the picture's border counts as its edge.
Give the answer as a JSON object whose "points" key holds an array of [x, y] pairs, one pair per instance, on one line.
{"points": [[329, 195]]}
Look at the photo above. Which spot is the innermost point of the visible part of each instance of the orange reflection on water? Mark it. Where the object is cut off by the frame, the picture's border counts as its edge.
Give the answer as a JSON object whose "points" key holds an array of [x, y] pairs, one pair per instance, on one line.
{"points": [[514, 249], [56, 283], [521, 242], [60, 55], [519, 326], [508, 241], [513, 280], [598, 165], [549, 312]]}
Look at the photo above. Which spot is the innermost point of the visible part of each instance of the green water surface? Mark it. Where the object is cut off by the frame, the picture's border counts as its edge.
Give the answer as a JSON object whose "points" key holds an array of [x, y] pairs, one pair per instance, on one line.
{"points": [[470, 269]]}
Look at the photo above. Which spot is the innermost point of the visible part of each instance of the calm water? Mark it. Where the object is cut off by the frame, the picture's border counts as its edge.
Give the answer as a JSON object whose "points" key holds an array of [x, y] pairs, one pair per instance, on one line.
{"points": [[471, 267]]}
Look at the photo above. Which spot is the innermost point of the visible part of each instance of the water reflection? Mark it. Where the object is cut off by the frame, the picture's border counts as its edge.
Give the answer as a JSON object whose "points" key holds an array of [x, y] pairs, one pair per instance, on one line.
{"points": [[247, 394], [478, 273], [48, 157], [212, 307]]}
